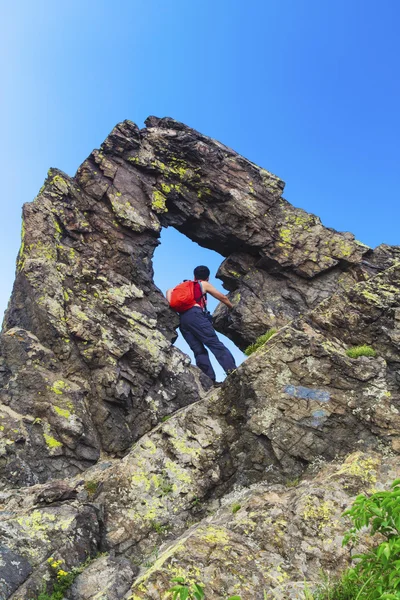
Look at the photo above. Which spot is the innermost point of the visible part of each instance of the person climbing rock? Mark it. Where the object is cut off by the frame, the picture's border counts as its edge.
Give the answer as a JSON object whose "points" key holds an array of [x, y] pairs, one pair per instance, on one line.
{"points": [[189, 300]]}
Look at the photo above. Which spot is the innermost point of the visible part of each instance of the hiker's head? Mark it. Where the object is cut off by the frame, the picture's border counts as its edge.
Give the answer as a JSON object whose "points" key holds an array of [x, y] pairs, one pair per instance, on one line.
{"points": [[201, 272]]}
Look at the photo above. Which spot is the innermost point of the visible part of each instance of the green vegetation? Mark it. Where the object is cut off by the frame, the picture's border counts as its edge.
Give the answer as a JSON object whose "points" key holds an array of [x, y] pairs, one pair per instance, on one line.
{"points": [[64, 579], [63, 412], [51, 441], [376, 575], [189, 591], [91, 487], [360, 351], [166, 487], [58, 387], [158, 528], [183, 591], [236, 507], [338, 589], [292, 482], [259, 342]]}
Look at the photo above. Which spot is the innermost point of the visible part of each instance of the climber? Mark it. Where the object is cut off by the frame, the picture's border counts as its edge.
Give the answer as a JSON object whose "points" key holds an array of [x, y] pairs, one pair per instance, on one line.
{"points": [[196, 322]]}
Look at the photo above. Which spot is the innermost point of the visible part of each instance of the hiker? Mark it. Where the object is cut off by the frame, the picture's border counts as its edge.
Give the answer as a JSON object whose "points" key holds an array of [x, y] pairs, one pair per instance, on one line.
{"points": [[189, 299]]}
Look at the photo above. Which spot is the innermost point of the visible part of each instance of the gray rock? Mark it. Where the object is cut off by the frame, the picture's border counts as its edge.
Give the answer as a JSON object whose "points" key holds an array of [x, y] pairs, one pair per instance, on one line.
{"points": [[106, 578], [14, 570], [112, 442]]}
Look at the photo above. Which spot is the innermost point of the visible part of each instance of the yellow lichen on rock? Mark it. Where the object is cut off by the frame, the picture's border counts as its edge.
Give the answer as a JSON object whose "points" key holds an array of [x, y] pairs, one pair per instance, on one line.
{"points": [[361, 467]]}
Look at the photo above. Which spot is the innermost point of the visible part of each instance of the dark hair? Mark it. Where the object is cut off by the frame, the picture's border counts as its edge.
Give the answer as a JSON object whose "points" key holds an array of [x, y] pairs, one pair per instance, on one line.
{"points": [[201, 272]]}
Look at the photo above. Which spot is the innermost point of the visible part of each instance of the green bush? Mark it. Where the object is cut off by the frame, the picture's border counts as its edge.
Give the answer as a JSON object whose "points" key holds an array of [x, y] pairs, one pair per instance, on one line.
{"points": [[63, 579], [376, 575], [360, 351], [185, 591], [259, 342], [344, 588], [189, 591]]}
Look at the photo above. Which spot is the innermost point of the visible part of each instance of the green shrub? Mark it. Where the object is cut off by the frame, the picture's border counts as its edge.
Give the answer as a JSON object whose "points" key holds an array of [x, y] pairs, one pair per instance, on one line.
{"points": [[343, 588], [186, 591], [189, 591], [259, 342], [63, 579], [360, 351], [376, 576], [236, 507]]}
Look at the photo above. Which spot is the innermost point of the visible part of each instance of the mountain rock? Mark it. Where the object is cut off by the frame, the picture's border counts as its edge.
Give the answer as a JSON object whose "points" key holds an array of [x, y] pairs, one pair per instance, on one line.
{"points": [[118, 464]]}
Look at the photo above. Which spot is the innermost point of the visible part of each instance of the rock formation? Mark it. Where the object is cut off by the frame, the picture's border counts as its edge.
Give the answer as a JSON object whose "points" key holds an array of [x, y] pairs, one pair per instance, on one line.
{"points": [[116, 458]]}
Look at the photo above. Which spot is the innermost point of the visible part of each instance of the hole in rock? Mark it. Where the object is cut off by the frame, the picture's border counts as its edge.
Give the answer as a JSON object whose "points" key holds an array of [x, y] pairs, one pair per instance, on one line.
{"points": [[174, 260]]}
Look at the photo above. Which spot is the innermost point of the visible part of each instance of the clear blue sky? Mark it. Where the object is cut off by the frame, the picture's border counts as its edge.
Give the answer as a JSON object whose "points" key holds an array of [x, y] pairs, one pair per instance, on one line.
{"points": [[305, 88]]}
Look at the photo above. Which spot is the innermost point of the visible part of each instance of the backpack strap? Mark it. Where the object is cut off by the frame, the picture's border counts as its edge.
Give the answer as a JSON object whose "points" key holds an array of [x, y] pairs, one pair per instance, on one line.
{"points": [[202, 299]]}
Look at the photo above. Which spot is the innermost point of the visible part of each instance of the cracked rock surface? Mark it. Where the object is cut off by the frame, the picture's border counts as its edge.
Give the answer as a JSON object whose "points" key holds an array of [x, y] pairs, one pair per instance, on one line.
{"points": [[117, 462]]}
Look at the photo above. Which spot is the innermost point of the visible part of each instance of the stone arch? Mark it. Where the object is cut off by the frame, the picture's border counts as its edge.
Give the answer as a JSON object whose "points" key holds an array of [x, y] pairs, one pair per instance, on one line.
{"points": [[86, 344]]}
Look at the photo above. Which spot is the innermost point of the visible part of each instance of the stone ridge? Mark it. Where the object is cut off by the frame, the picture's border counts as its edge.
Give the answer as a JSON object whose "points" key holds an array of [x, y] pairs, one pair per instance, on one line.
{"points": [[110, 442], [198, 182]]}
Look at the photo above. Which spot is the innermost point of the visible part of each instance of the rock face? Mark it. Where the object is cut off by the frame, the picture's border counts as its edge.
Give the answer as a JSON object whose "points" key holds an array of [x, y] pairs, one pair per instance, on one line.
{"points": [[115, 459]]}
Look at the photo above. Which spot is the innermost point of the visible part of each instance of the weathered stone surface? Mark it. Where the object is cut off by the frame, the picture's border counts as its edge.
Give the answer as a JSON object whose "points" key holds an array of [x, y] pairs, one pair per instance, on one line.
{"points": [[204, 457], [263, 300], [296, 400], [270, 539], [368, 313], [110, 441], [87, 359], [14, 569], [33, 538], [107, 577], [86, 343]]}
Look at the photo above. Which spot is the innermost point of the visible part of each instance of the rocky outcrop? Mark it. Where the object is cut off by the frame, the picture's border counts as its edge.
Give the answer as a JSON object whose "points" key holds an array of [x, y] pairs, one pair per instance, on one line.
{"points": [[116, 459], [269, 538]]}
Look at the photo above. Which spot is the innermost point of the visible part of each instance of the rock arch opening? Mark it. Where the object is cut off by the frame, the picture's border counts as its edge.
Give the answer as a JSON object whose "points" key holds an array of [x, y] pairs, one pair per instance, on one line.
{"points": [[173, 261]]}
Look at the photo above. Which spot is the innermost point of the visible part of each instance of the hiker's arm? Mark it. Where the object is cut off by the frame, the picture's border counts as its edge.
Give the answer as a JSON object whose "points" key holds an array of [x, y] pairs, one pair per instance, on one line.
{"points": [[168, 295], [210, 289]]}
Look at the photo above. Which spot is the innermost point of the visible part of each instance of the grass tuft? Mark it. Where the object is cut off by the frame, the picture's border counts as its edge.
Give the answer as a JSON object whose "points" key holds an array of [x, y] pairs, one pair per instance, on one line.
{"points": [[260, 342], [360, 351], [346, 587]]}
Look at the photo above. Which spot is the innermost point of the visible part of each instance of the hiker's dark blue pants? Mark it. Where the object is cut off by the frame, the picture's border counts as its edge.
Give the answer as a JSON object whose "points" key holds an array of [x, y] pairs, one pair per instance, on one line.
{"points": [[199, 332]]}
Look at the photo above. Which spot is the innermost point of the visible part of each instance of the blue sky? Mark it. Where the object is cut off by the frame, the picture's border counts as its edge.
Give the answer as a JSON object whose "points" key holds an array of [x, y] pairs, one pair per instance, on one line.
{"points": [[307, 89]]}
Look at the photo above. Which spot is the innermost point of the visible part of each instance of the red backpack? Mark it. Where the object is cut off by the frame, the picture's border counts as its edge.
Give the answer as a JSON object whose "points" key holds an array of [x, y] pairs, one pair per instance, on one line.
{"points": [[185, 296]]}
